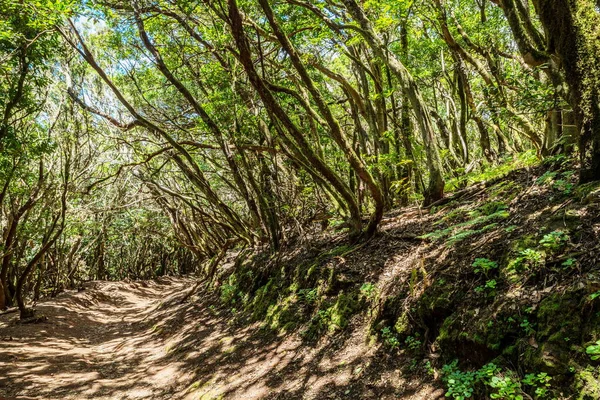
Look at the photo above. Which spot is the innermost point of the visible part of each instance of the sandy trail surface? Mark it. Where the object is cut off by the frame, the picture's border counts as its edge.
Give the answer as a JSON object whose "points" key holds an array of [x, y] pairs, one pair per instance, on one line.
{"points": [[138, 340]]}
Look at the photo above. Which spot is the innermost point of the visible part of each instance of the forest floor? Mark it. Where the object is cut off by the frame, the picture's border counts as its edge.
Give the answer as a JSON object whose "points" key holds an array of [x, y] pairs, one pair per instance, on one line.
{"points": [[137, 340]]}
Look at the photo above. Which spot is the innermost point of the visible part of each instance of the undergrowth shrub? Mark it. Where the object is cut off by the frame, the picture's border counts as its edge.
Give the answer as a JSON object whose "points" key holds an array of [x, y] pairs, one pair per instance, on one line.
{"points": [[593, 350], [554, 241], [389, 338], [308, 296], [484, 266], [482, 219], [488, 173], [490, 381]]}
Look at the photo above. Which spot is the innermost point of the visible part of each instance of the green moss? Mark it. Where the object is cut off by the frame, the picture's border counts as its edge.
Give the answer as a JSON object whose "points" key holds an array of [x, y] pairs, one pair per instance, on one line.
{"points": [[526, 159], [505, 190], [452, 217], [524, 242], [345, 306], [337, 251], [263, 298], [491, 207], [583, 191], [559, 316], [311, 270], [469, 327], [438, 298], [402, 325], [463, 230], [559, 320], [334, 314], [283, 314], [587, 384], [563, 219]]}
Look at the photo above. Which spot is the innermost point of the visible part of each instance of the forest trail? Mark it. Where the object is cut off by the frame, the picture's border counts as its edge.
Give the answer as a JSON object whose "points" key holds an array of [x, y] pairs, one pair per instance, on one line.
{"points": [[137, 340], [95, 344]]}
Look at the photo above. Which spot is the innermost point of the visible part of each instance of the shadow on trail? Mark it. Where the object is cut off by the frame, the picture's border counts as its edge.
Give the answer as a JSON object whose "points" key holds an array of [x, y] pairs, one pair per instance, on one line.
{"points": [[248, 362], [78, 352]]}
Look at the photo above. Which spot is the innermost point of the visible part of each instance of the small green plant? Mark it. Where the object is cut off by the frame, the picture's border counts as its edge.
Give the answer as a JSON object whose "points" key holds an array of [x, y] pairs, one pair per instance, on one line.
{"points": [[413, 342], [484, 266], [533, 257], [541, 383], [461, 231], [554, 241], [527, 327], [228, 293], [487, 372], [595, 295], [559, 159], [489, 287], [308, 296], [593, 350], [461, 385], [527, 259], [503, 385], [547, 177], [429, 369], [369, 290], [569, 263], [389, 338], [563, 186], [508, 388]]}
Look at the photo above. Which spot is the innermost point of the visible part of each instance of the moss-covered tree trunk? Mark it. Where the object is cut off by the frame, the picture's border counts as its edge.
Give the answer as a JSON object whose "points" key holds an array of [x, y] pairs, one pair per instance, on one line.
{"points": [[573, 34]]}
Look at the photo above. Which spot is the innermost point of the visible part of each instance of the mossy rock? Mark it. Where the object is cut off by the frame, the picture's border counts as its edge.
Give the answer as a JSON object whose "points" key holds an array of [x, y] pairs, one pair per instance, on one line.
{"points": [[524, 242], [473, 336], [559, 317], [439, 297], [435, 306], [345, 306], [456, 338], [559, 326], [393, 308], [548, 357], [307, 274], [283, 315], [591, 329], [264, 297], [587, 384], [334, 314], [563, 219]]}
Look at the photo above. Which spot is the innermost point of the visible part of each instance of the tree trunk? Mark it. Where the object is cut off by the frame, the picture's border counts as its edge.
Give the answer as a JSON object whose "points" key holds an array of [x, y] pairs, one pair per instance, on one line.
{"points": [[572, 30]]}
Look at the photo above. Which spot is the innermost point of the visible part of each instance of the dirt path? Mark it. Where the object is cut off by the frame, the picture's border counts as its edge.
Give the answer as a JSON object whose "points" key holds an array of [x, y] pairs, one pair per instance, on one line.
{"points": [[138, 341]]}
